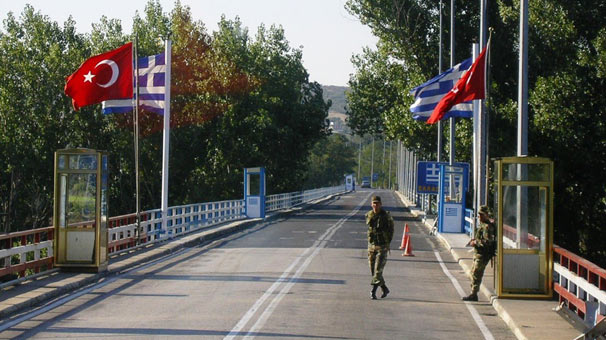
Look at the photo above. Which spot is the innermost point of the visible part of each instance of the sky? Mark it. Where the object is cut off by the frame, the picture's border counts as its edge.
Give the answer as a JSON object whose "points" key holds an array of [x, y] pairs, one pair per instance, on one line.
{"points": [[327, 34]]}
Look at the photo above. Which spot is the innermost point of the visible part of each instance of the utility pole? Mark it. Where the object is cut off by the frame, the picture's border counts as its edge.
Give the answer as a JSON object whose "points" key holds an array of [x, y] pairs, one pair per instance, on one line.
{"points": [[359, 160], [383, 163], [372, 160]]}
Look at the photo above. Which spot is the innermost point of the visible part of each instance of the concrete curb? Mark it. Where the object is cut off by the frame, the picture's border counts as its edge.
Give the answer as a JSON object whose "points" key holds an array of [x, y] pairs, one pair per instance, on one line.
{"points": [[154, 252]]}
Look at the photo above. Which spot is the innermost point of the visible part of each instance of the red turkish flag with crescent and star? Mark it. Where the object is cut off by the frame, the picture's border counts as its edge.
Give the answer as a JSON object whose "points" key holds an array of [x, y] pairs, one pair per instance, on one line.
{"points": [[470, 86], [102, 77]]}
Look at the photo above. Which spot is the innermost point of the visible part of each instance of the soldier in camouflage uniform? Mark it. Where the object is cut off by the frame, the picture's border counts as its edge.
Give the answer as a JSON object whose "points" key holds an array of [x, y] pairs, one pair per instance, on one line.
{"points": [[380, 232], [484, 245]]}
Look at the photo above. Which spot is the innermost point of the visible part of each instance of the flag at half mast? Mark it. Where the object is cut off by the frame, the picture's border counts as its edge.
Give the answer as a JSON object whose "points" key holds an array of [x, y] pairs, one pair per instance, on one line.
{"points": [[152, 88], [429, 94]]}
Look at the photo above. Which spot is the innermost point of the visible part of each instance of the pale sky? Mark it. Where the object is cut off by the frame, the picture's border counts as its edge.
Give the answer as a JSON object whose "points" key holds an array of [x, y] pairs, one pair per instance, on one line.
{"points": [[327, 33]]}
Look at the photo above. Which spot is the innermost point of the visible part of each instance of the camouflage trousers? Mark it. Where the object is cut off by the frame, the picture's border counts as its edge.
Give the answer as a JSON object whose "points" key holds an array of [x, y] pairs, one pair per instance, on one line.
{"points": [[477, 271], [377, 258]]}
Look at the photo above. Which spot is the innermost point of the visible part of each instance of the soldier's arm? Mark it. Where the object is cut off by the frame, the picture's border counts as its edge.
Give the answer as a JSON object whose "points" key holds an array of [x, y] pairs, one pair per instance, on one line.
{"points": [[391, 227]]}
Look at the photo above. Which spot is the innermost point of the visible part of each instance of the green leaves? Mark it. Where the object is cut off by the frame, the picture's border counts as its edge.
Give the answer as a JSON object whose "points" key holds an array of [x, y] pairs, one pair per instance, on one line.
{"points": [[237, 101], [567, 58]]}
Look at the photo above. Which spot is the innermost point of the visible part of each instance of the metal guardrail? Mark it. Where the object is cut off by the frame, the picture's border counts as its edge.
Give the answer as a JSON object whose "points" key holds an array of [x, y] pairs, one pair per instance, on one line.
{"points": [[28, 252], [292, 199], [580, 284]]}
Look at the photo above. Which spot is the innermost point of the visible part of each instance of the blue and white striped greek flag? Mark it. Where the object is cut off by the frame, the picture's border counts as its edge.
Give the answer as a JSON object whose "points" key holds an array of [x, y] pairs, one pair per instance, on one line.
{"points": [[152, 75], [429, 94]]}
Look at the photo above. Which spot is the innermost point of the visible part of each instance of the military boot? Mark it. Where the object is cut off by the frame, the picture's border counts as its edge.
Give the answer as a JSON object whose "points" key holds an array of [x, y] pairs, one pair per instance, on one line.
{"points": [[385, 291], [373, 292], [470, 297]]}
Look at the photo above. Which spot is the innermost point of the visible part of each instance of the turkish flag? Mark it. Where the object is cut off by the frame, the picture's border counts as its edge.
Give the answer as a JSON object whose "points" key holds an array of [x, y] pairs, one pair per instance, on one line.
{"points": [[102, 77], [470, 86]]}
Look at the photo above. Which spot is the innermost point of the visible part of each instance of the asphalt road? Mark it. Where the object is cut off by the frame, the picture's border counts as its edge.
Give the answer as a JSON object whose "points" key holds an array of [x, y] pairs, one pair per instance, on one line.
{"points": [[304, 276]]}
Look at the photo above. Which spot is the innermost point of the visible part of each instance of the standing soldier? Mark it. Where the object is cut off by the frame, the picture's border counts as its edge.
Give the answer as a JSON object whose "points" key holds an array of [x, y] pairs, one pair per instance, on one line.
{"points": [[380, 232], [484, 245]]}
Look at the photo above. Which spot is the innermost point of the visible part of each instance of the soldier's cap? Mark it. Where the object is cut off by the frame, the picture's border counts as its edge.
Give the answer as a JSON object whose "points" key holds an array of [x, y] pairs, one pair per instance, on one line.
{"points": [[484, 210], [376, 199]]}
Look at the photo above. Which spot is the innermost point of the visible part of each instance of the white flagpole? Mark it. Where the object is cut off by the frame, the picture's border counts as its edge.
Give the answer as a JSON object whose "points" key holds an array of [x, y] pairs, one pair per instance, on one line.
{"points": [[136, 127], [477, 164], [439, 155], [452, 64], [166, 134]]}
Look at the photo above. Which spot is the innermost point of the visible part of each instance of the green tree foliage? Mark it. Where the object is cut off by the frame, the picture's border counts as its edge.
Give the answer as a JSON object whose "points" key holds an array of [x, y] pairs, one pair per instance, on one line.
{"points": [[330, 160], [35, 57], [567, 49], [236, 102]]}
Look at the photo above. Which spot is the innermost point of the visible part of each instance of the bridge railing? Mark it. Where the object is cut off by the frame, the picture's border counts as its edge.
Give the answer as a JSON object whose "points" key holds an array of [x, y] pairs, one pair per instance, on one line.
{"points": [[27, 252], [292, 199], [180, 220], [580, 284]]}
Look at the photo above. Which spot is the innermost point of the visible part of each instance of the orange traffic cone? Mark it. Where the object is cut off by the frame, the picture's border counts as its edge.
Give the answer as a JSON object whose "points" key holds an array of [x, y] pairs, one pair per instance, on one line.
{"points": [[406, 245], [404, 235]]}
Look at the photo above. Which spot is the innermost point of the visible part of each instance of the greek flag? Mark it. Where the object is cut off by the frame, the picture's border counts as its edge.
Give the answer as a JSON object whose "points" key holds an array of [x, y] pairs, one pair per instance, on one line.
{"points": [[428, 94], [152, 73]]}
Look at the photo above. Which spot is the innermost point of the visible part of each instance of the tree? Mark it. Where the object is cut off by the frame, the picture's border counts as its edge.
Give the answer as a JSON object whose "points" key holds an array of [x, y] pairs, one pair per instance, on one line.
{"points": [[36, 55], [331, 159], [566, 104], [236, 102]]}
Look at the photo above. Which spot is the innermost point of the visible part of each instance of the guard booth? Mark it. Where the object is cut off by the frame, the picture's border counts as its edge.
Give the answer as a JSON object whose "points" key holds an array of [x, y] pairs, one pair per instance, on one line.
{"points": [[524, 200], [80, 209], [452, 190], [254, 192], [349, 183]]}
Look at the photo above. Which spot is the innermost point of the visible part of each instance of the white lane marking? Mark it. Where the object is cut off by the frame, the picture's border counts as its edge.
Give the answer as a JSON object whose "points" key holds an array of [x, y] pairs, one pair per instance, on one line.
{"points": [[250, 313], [472, 310], [6, 325], [314, 249], [284, 291]]}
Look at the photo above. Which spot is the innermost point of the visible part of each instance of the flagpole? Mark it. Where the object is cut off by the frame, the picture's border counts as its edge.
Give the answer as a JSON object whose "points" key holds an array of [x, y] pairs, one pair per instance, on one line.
{"points": [[481, 193], [439, 156], [476, 143], [523, 82], [166, 133], [136, 127], [452, 64]]}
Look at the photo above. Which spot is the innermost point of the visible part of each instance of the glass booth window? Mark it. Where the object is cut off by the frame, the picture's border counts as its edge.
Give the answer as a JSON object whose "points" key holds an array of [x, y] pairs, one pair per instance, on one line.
{"points": [[524, 217], [62, 199], [83, 162], [526, 172], [254, 184], [81, 198], [62, 162], [104, 188], [453, 193]]}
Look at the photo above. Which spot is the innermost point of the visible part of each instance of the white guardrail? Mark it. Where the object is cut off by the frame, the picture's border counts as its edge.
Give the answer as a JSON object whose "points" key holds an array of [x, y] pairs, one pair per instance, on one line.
{"points": [[292, 199]]}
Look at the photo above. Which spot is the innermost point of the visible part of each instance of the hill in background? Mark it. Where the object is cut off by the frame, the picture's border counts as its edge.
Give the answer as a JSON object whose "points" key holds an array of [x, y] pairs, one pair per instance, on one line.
{"points": [[336, 113], [337, 95]]}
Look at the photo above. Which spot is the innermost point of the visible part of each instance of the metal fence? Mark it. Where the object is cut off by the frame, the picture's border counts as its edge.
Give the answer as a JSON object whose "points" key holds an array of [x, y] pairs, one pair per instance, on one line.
{"points": [[292, 199]]}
